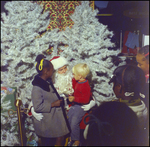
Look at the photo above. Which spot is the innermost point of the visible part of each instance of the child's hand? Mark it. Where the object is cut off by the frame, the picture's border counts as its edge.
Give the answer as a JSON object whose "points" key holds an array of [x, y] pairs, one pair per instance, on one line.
{"points": [[56, 103], [71, 98]]}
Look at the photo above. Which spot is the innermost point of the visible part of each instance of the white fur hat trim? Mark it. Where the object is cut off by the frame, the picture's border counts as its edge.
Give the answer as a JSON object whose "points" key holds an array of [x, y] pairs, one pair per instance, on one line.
{"points": [[58, 62]]}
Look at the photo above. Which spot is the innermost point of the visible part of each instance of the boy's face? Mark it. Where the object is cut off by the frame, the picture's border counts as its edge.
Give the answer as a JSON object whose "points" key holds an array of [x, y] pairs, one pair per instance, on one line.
{"points": [[77, 77], [62, 70], [142, 63]]}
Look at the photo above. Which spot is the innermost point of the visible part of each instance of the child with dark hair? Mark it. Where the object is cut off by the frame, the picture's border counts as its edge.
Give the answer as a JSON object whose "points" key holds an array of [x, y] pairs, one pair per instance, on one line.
{"points": [[115, 124], [53, 125], [42, 63], [129, 81], [142, 58], [112, 124], [129, 88]]}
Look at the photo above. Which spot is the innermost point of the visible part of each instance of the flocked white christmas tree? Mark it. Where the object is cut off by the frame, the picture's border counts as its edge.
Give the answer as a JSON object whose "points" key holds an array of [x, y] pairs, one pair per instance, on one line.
{"points": [[20, 44], [8, 138], [88, 41]]}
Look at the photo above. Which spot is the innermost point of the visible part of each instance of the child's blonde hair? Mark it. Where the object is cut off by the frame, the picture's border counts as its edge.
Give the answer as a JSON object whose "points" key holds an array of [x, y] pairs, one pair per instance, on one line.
{"points": [[81, 69]]}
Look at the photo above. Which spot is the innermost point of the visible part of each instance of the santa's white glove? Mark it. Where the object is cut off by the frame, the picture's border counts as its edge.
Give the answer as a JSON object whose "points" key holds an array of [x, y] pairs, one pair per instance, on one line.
{"points": [[38, 116], [65, 101], [89, 106], [62, 95]]}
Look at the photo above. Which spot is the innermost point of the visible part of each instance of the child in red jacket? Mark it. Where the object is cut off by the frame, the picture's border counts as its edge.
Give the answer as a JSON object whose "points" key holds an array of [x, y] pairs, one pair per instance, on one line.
{"points": [[82, 94]]}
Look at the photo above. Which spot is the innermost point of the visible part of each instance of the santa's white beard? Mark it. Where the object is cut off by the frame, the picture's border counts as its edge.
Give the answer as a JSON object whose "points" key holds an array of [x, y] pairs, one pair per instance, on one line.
{"points": [[63, 83]]}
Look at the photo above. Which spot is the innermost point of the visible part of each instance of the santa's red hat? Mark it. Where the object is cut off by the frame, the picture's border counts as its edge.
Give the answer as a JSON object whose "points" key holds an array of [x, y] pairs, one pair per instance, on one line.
{"points": [[58, 62]]}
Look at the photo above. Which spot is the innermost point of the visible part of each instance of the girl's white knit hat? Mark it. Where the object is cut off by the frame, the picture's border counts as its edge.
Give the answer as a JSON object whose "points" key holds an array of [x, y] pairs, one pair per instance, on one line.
{"points": [[58, 62]]}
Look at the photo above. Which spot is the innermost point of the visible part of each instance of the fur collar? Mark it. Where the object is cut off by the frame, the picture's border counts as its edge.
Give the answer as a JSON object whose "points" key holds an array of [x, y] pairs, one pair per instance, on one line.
{"points": [[38, 81]]}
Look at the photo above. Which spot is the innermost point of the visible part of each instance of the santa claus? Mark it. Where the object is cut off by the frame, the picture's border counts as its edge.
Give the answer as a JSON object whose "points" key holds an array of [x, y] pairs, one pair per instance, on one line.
{"points": [[64, 83], [62, 78]]}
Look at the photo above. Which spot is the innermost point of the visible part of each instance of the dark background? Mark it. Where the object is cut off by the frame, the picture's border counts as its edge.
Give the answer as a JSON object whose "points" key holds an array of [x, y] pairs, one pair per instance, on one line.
{"points": [[118, 21]]}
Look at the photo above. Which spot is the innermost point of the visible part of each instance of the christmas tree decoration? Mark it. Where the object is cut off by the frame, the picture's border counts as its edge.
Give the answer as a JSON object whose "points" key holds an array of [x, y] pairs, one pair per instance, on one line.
{"points": [[8, 97], [59, 12], [86, 41], [90, 41], [8, 138], [20, 44]]}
